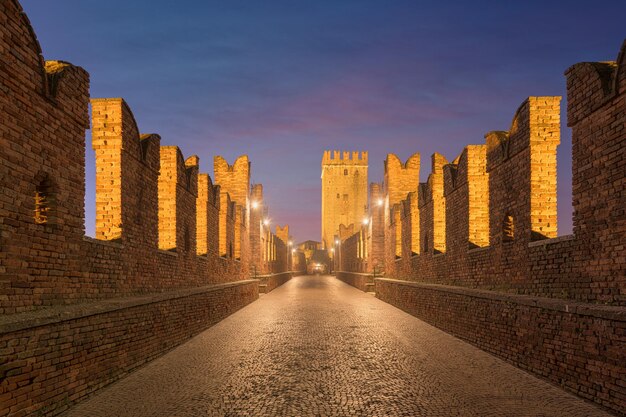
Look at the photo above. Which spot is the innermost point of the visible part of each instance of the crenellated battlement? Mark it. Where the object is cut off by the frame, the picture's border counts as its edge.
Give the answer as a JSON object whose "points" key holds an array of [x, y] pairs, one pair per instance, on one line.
{"points": [[282, 233], [591, 85], [344, 192], [401, 178], [168, 236], [154, 209], [234, 179], [500, 197], [344, 158], [178, 191], [256, 192], [155, 251], [536, 123], [346, 231], [487, 220]]}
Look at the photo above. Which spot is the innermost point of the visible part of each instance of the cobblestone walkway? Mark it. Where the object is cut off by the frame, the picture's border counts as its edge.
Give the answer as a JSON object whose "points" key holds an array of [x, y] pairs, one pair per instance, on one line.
{"points": [[318, 347]]}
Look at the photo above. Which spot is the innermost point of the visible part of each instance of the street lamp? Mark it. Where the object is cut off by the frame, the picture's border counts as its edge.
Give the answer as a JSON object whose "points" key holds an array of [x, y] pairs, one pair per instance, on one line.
{"points": [[255, 205], [380, 202], [266, 222], [366, 221]]}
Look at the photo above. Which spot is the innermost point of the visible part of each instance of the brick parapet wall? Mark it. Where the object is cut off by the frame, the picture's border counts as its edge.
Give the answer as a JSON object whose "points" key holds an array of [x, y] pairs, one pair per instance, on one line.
{"points": [[72, 352], [43, 121], [521, 292], [376, 241], [575, 345], [207, 215], [299, 263], [273, 281], [49, 267], [356, 279], [345, 158], [348, 256], [596, 97], [400, 178], [257, 215], [485, 186]]}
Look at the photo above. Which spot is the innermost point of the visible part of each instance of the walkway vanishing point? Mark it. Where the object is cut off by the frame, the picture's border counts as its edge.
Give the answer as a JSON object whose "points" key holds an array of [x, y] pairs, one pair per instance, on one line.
{"points": [[318, 347]]}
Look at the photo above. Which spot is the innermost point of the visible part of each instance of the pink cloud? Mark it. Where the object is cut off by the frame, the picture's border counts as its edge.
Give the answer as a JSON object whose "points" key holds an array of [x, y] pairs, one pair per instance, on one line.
{"points": [[343, 105]]}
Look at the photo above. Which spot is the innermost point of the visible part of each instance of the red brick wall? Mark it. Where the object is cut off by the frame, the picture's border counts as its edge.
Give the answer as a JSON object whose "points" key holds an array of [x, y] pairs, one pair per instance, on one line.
{"points": [[376, 239], [596, 107], [513, 176], [577, 346], [77, 313], [356, 279], [555, 334], [298, 263], [42, 143], [235, 181], [274, 281], [51, 362], [257, 214]]}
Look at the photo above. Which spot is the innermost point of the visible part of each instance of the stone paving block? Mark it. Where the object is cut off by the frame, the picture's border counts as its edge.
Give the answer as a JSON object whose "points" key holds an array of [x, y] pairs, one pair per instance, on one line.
{"points": [[318, 347]]}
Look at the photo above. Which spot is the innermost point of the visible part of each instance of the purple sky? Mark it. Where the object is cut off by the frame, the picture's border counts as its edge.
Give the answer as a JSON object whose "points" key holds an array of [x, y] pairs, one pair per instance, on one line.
{"points": [[284, 80]]}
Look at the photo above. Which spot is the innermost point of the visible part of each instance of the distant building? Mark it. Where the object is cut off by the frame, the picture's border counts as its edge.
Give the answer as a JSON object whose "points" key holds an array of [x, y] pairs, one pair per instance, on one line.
{"points": [[344, 192], [319, 262], [308, 247]]}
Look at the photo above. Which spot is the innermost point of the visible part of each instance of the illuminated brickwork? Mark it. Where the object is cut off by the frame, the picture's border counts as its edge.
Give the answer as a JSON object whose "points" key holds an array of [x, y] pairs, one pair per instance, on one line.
{"points": [[344, 192], [95, 309], [478, 249]]}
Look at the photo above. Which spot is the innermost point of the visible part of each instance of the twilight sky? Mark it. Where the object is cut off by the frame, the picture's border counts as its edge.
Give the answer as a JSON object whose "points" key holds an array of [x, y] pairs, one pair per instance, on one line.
{"points": [[284, 80]]}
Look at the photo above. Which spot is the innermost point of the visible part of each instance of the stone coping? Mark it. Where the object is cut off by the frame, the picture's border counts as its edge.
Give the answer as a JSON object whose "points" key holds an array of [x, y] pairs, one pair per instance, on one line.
{"points": [[272, 275], [545, 242], [616, 313], [367, 274], [60, 313], [167, 252], [111, 243]]}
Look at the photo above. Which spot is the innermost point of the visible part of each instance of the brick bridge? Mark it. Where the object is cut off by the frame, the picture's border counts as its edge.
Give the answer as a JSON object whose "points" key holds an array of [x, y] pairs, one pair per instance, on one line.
{"points": [[160, 314], [318, 347]]}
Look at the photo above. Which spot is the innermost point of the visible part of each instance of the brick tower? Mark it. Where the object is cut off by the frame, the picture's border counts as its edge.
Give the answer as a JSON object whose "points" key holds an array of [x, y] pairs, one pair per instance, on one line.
{"points": [[344, 192]]}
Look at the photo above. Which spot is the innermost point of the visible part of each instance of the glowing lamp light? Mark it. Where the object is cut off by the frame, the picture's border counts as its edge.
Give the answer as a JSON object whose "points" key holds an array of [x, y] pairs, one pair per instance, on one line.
{"points": [[266, 222], [380, 202], [293, 251], [332, 250], [255, 204], [290, 243], [366, 221], [336, 241]]}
